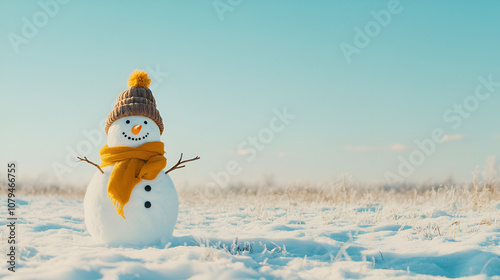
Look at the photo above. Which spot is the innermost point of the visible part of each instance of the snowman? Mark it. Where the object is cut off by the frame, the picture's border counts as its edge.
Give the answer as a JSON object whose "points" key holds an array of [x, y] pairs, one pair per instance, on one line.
{"points": [[131, 199]]}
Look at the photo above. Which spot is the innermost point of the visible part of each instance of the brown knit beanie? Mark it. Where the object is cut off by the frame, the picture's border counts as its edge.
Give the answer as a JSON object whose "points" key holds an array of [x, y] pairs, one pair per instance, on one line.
{"points": [[138, 100]]}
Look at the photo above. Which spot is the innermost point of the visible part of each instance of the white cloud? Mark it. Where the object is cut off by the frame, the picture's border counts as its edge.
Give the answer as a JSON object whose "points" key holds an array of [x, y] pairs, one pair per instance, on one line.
{"points": [[239, 153], [398, 147], [452, 137]]}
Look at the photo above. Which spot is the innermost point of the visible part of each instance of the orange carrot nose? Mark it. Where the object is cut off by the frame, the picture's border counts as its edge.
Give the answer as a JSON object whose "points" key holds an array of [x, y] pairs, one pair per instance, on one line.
{"points": [[136, 129]]}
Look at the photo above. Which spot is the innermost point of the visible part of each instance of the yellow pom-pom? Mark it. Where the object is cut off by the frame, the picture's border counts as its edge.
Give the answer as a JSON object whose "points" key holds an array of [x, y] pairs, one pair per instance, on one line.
{"points": [[139, 79]]}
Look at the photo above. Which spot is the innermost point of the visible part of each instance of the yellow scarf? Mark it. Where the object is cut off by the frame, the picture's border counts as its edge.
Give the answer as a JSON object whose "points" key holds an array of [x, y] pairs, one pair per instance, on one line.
{"points": [[131, 166]]}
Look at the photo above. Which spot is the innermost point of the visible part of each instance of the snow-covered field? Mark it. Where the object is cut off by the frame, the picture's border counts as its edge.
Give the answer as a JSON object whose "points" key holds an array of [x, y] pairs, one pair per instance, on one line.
{"points": [[323, 232]]}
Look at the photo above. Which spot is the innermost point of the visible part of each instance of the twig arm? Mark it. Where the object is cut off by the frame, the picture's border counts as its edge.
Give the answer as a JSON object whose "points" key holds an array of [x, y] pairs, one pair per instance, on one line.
{"points": [[88, 161], [179, 165]]}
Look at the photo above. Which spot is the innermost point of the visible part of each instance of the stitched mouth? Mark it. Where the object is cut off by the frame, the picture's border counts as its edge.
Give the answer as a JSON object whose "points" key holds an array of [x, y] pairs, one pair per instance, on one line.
{"points": [[135, 139]]}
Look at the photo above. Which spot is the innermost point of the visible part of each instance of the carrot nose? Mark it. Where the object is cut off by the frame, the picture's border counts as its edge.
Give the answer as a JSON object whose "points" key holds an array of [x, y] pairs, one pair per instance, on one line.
{"points": [[136, 129]]}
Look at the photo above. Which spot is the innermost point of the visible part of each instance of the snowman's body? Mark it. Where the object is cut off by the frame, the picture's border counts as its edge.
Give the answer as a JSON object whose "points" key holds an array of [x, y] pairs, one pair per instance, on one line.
{"points": [[141, 225], [151, 212]]}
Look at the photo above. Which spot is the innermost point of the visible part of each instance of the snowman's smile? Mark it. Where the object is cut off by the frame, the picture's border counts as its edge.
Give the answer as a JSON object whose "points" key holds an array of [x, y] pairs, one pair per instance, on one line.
{"points": [[135, 138]]}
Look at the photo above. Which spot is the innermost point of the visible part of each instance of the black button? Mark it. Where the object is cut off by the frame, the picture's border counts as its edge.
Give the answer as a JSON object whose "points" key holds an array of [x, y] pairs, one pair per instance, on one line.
{"points": [[147, 204], [147, 188]]}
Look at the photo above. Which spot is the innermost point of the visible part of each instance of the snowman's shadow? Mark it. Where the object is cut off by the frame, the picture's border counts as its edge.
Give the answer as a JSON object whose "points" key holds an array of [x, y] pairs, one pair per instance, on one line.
{"points": [[188, 241], [174, 241], [294, 246]]}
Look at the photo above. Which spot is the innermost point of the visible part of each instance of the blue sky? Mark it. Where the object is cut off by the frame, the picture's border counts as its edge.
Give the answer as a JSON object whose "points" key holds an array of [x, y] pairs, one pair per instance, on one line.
{"points": [[222, 75]]}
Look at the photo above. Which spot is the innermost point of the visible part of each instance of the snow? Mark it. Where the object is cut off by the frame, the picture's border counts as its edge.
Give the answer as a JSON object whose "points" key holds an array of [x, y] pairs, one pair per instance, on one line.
{"points": [[321, 233]]}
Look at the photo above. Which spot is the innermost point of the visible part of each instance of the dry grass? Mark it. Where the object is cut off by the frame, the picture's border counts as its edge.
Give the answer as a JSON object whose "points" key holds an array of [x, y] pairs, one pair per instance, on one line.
{"points": [[471, 196], [475, 195]]}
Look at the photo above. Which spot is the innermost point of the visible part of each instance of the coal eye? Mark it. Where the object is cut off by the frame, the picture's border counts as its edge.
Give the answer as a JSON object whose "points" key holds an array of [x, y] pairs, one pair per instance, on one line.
{"points": [[127, 122], [145, 122], [147, 204]]}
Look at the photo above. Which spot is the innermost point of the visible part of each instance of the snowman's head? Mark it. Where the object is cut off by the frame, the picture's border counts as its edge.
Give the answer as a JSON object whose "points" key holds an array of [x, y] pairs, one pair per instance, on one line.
{"points": [[133, 131], [134, 120]]}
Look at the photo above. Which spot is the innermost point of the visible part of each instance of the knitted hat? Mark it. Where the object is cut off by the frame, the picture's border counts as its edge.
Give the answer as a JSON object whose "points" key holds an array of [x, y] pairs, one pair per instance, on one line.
{"points": [[138, 100]]}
